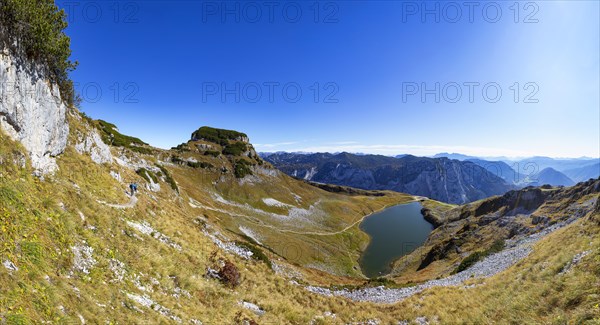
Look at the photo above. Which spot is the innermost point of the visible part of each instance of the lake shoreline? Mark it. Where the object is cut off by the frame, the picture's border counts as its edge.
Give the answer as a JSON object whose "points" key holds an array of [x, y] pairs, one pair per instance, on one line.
{"points": [[416, 230]]}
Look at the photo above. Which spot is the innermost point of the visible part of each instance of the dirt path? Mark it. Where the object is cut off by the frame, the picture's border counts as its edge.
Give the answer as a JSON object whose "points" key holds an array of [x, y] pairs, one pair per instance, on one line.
{"points": [[416, 199], [345, 229], [132, 202]]}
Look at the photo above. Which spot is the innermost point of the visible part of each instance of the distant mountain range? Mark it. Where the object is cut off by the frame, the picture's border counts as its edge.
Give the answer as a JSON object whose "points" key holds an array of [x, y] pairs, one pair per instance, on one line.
{"points": [[500, 169], [552, 177], [453, 178], [584, 173], [442, 179], [578, 169]]}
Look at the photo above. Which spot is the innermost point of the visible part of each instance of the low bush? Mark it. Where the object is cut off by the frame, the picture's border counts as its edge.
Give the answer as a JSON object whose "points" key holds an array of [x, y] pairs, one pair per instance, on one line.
{"points": [[470, 260], [200, 164], [147, 175], [234, 149], [181, 147], [212, 153], [177, 160], [241, 168], [229, 275], [112, 137], [168, 178], [380, 281], [219, 136], [496, 247], [257, 253]]}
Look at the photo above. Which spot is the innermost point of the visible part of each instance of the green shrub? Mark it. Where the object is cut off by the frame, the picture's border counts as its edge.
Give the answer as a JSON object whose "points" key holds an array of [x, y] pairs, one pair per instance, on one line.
{"points": [[177, 160], [168, 178], [469, 261], [234, 149], [212, 153], [35, 29], [496, 247], [200, 164], [257, 253], [147, 175], [181, 147], [241, 168], [219, 136], [111, 136], [380, 281]]}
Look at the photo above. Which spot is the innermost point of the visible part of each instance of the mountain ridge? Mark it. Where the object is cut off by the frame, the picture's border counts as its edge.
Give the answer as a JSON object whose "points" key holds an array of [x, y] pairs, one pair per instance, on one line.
{"points": [[441, 179]]}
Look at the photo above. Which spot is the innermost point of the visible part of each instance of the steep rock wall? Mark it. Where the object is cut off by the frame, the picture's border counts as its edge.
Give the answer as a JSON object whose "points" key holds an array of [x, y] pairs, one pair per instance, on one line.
{"points": [[32, 112]]}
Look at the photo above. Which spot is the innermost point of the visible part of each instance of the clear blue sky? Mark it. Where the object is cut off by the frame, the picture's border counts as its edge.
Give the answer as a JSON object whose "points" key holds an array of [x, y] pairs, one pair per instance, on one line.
{"points": [[166, 68]]}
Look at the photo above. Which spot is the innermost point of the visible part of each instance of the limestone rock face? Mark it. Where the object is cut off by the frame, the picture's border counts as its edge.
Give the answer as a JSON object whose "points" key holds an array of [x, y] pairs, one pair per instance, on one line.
{"points": [[95, 147], [32, 112]]}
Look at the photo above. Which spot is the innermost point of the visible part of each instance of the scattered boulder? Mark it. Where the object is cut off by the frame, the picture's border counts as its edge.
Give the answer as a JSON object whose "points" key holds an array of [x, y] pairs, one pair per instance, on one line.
{"points": [[10, 266], [253, 307]]}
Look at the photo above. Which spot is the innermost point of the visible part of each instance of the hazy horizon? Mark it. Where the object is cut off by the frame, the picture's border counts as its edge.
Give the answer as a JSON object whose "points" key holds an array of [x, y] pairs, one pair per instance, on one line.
{"points": [[510, 158]]}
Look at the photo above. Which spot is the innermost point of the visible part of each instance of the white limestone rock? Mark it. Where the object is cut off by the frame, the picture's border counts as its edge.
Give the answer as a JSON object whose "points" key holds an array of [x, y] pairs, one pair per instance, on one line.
{"points": [[32, 112], [93, 145]]}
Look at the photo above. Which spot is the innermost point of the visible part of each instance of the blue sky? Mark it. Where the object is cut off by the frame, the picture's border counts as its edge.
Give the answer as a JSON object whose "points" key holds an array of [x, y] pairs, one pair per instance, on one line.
{"points": [[372, 77]]}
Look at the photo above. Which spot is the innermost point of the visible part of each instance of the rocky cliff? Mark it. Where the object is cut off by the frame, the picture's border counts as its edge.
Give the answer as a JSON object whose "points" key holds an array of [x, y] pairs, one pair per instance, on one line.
{"points": [[32, 112]]}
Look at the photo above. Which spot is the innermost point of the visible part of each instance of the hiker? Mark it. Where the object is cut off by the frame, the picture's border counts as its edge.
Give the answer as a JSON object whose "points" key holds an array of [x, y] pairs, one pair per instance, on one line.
{"points": [[133, 188]]}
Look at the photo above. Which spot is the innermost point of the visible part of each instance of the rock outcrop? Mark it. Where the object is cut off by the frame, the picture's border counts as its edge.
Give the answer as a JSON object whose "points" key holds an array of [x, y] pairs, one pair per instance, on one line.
{"points": [[32, 112], [93, 145]]}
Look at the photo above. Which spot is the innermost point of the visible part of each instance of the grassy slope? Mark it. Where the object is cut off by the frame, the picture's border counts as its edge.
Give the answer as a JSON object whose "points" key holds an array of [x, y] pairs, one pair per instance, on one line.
{"points": [[311, 239], [472, 235], [37, 234]]}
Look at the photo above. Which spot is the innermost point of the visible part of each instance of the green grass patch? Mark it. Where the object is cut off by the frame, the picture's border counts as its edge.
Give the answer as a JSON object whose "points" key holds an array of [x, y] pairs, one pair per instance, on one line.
{"points": [[16, 319], [9, 196], [32, 251], [192, 164]]}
